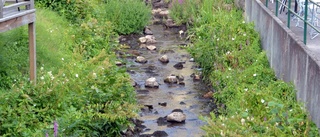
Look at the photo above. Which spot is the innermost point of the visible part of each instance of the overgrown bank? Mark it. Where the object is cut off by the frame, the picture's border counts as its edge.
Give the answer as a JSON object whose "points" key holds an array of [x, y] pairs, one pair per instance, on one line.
{"points": [[254, 102], [79, 91]]}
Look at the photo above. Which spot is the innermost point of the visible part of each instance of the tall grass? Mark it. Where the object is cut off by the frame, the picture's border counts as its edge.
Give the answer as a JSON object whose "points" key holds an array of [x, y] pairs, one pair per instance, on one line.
{"points": [[256, 103]]}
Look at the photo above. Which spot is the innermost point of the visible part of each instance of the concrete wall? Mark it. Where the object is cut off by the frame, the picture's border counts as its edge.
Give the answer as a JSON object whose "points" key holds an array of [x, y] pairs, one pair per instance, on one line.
{"points": [[289, 57]]}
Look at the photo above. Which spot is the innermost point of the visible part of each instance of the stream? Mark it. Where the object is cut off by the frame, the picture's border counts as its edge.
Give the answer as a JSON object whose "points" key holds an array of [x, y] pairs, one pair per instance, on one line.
{"points": [[187, 95]]}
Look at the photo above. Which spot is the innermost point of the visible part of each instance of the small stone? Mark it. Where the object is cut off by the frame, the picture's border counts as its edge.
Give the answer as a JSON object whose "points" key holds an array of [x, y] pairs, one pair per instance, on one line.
{"points": [[133, 83], [164, 59], [178, 65], [160, 134], [141, 59], [118, 63], [150, 39], [143, 39], [164, 13], [191, 59], [161, 121], [135, 52], [151, 47], [152, 83], [150, 107], [143, 91], [171, 79], [181, 83], [196, 77], [182, 103], [162, 104], [176, 117], [208, 94], [147, 31], [180, 77]]}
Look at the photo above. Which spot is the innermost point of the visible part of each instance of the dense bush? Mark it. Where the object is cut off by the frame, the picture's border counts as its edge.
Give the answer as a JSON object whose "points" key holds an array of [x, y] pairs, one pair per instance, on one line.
{"points": [[82, 97], [127, 16], [80, 91], [74, 10], [184, 11], [257, 104]]}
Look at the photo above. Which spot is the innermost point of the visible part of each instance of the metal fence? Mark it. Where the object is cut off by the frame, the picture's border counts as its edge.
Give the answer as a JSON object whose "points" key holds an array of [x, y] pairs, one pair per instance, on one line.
{"points": [[303, 14]]}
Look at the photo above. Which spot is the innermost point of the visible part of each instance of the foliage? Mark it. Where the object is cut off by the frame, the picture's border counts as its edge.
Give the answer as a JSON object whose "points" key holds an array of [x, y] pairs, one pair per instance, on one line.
{"points": [[78, 85], [127, 16], [257, 104], [82, 97], [184, 11], [74, 10]]}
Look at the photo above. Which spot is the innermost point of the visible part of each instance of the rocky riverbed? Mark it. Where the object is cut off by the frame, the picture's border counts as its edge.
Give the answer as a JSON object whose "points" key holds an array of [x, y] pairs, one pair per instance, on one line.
{"points": [[166, 79]]}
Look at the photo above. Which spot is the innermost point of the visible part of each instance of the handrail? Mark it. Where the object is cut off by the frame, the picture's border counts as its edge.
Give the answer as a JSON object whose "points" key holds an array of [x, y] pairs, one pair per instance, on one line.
{"points": [[304, 19], [29, 4]]}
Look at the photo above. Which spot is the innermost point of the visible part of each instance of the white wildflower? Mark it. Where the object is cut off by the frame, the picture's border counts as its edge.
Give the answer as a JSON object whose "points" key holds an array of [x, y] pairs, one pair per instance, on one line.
{"points": [[180, 32], [92, 87], [217, 39], [50, 73], [62, 59], [244, 34], [221, 133], [277, 124], [63, 74], [243, 22], [233, 38], [246, 110], [41, 68], [94, 75], [243, 121], [229, 68], [222, 124], [77, 75], [254, 74], [262, 101], [42, 78]]}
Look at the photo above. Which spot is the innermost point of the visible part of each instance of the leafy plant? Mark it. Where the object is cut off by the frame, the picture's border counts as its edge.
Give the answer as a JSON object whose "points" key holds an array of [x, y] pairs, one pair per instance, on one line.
{"points": [[127, 16], [257, 104]]}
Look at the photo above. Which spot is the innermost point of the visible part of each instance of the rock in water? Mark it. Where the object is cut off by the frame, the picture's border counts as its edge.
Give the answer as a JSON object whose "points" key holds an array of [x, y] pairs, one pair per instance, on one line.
{"points": [[150, 39], [151, 47], [147, 31], [171, 79], [164, 59], [141, 59], [143, 39], [152, 83], [176, 117], [178, 65]]}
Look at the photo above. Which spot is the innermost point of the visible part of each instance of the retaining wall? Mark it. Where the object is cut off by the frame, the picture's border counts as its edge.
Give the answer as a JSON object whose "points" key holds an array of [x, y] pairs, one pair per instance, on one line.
{"points": [[291, 60]]}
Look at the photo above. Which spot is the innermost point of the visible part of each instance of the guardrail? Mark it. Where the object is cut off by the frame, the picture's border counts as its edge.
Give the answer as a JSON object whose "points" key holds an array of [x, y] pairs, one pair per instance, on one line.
{"points": [[304, 18], [15, 4]]}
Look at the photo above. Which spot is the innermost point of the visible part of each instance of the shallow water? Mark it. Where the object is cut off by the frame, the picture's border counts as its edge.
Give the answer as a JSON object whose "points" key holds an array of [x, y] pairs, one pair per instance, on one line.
{"points": [[186, 97]]}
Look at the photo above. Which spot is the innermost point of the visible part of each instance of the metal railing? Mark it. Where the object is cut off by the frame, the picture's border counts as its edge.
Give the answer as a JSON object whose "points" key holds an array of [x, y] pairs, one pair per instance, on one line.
{"points": [[304, 18]]}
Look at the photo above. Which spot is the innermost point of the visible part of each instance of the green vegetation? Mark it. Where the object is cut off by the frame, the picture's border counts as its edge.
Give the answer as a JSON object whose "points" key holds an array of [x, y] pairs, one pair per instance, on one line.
{"points": [[128, 16], [257, 104], [79, 91]]}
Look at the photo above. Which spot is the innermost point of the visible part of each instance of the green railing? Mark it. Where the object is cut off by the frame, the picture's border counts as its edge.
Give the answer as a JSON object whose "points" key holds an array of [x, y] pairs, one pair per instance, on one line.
{"points": [[304, 18]]}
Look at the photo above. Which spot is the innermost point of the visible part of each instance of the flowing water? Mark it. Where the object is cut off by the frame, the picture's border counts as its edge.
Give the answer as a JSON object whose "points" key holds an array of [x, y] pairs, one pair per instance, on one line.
{"points": [[186, 97]]}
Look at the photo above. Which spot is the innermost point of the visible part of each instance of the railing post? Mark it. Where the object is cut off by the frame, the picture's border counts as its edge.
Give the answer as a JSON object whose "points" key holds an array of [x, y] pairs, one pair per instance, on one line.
{"points": [[289, 13], [32, 52], [305, 22], [267, 2], [277, 7], [1, 9]]}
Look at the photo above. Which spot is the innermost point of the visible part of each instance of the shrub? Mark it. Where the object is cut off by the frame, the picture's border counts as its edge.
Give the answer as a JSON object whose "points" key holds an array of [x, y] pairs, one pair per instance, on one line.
{"points": [[82, 97], [127, 16], [257, 104], [184, 11]]}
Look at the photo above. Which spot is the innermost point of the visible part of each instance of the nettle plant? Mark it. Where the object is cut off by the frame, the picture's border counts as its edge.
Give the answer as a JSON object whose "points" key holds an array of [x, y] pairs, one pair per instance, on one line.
{"points": [[257, 104], [85, 98]]}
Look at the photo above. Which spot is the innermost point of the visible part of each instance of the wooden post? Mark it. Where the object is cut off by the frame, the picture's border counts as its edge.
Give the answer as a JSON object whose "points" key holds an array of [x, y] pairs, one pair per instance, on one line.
{"points": [[32, 52]]}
